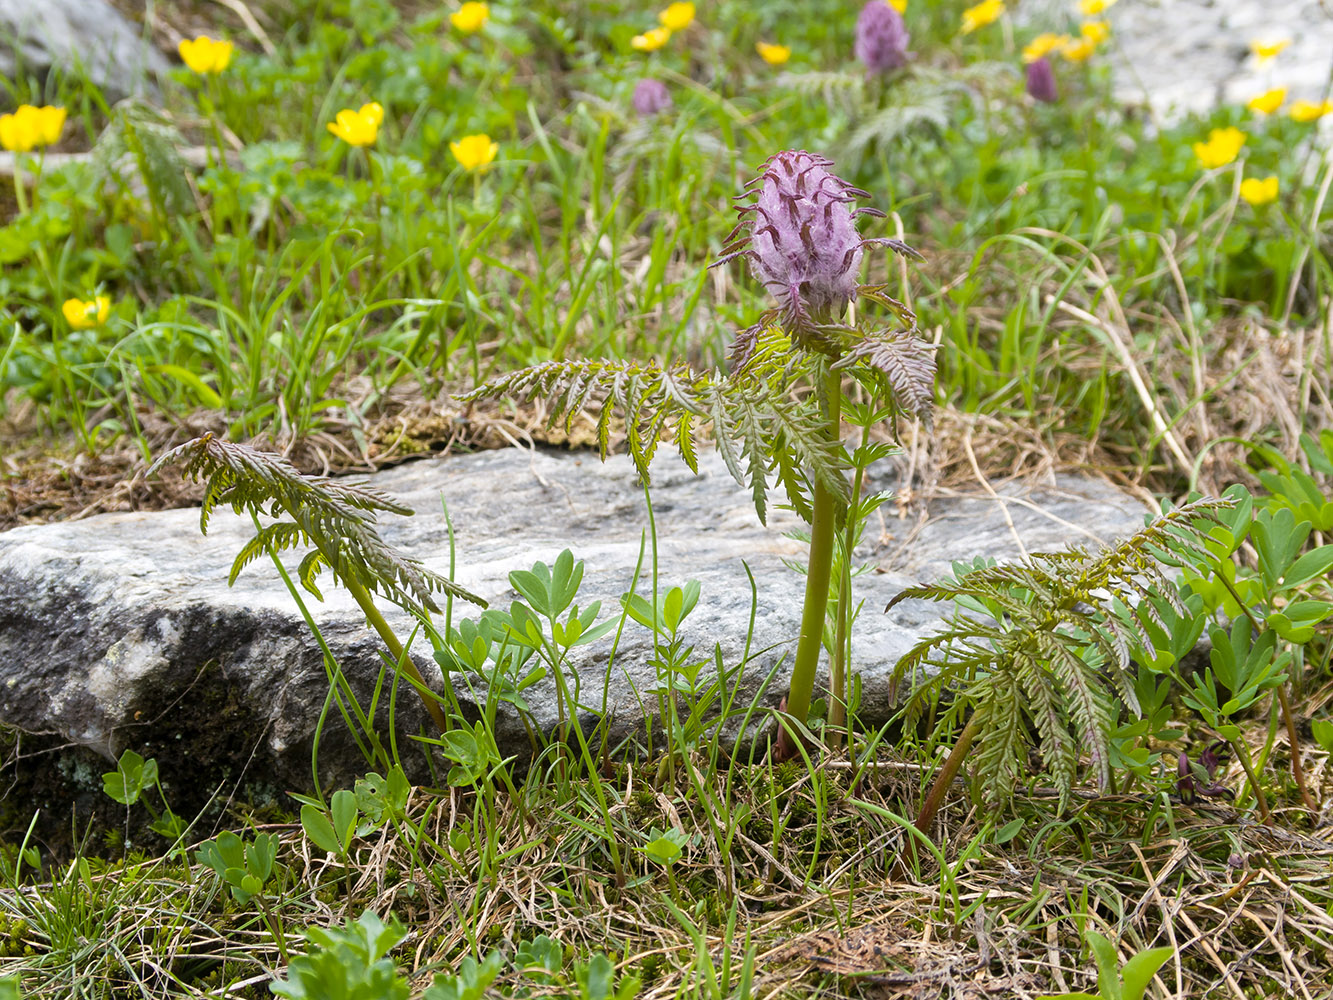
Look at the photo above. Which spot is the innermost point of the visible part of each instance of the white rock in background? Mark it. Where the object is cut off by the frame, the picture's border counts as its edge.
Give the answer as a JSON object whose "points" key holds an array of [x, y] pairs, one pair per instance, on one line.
{"points": [[1184, 56], [87, 35]]}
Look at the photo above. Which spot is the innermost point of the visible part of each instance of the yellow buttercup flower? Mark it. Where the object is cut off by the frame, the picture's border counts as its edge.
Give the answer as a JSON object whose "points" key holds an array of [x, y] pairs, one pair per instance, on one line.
{"points": [[16, 134], [86, 315], [1078, 50], [1043, 45], [981, 15], [677, 17], [205, 55], [899, 5], [1222, 147], [474, 152], [360, 127], [1308, 111], [1095, 31], [1091, 8], [30, 127], [1258, 192], [774, 55], [1267, 102], [1266, 52], [47, 123], [651, 40], [471, 17]]}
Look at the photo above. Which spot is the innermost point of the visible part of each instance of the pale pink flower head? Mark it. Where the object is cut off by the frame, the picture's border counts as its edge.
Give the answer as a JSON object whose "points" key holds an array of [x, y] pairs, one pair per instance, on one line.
{"points": [[801, 239], [650, 97], [881, 37], [800, 236]]}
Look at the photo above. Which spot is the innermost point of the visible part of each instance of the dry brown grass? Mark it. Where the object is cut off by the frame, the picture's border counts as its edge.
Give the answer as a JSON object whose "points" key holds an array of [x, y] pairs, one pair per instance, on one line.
{"points": [[1245, 907]]}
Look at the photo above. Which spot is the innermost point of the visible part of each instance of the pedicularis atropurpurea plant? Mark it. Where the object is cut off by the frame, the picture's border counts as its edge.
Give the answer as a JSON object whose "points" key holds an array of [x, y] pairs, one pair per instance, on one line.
{"points": [[799, 234]]}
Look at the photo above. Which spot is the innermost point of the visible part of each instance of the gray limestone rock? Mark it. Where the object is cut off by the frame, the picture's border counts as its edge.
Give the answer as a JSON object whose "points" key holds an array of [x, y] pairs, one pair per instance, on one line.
{"points": [[87, 35], [120, 630]]}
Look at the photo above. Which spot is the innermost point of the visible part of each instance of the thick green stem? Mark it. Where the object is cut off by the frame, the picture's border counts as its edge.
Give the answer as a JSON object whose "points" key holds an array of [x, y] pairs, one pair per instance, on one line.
{"points": [[817, 576], [376, 621]]}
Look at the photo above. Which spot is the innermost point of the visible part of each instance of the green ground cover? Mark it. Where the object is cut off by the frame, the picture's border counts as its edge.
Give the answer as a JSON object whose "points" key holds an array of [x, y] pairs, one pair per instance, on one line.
{"points": [[373, 208]]}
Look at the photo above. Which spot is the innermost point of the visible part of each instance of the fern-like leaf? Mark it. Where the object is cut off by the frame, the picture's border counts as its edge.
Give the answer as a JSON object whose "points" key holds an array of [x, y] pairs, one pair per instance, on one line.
{"points": [[270, 538], [759, 427], [140, 144], [906, 363], [338, 518], [913, 107], [1059, 656], [842, 91]]}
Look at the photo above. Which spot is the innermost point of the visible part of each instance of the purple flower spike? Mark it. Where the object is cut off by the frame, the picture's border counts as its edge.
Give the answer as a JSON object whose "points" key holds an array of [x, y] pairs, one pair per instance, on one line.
{"points": [[801, 240], [881, 37], [1041, 81], [650, 97], [800, 237]]}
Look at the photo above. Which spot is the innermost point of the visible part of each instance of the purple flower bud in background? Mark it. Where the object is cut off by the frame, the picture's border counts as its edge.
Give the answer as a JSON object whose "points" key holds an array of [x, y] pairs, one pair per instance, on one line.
{"points": [[1041, 81], [650, 97], [881, 37]]}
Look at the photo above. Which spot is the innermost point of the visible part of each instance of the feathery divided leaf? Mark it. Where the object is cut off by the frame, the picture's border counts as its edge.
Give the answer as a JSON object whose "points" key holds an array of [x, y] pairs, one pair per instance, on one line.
{"points": [[1059, 656], [139, 140], [337, 518], [906, 363], [759, 426]]}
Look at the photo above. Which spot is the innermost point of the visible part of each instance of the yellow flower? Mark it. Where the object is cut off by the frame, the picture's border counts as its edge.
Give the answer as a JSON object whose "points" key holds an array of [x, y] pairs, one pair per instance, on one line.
{"points": [[16, 134], [1091, 8], [30, 127], [677, 17], [1258, 192], [1095, 31], [1308, 111], [774, 55], [651, 40], [1043, 45], [204, 55], [471, 17], [474, 152], [86, 315], [981, 15], [899, 5], [1266, 52], [48, 123], [360, 127], [1267, 102], [1077, 51], [1222, 147]]}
